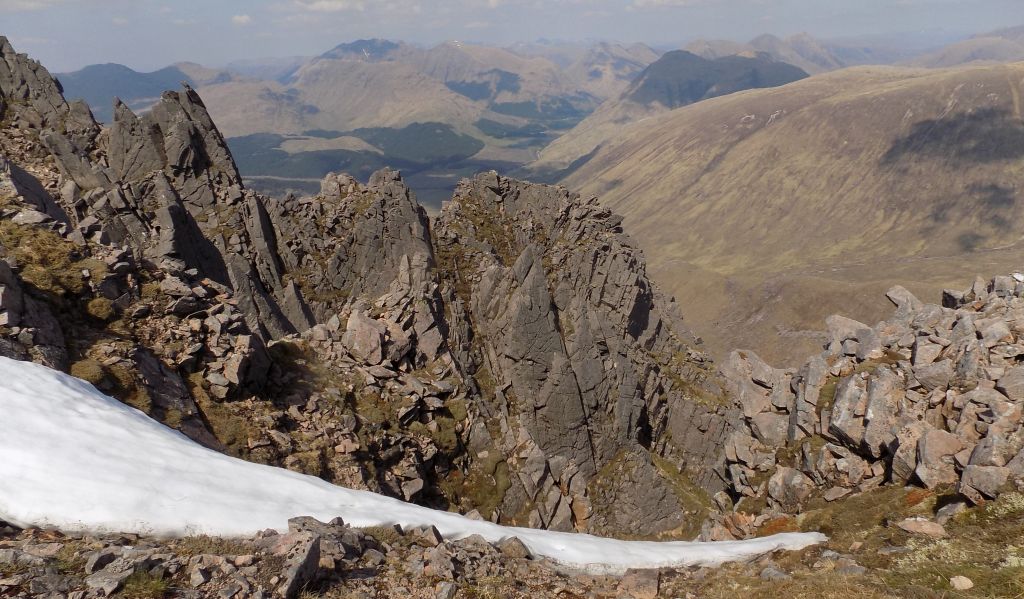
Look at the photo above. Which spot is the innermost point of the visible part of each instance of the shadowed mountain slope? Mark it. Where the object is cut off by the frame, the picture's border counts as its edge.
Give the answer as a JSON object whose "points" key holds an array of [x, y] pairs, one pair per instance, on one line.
{"points": [[676, 79]]}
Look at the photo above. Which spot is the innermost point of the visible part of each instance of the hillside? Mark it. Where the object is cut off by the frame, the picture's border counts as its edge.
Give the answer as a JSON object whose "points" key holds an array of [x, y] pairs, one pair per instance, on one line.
{"points": [[765, 211], [370, 402], [349, 94], [270, 68], [606, 70], [680, 78], [676, 79]]}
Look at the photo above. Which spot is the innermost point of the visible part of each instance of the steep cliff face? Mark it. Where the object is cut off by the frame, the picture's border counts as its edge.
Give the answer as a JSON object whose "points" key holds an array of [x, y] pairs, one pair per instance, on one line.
{"points": [[583, 365], [512, 358]]}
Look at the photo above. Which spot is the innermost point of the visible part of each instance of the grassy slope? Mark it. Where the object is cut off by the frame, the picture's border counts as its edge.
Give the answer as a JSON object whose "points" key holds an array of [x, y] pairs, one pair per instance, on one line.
{"points": [[772, 208]]}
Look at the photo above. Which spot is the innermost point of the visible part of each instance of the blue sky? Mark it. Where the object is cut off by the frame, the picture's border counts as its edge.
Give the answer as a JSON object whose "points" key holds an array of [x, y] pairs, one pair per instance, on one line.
{"points": [[148, 34]]}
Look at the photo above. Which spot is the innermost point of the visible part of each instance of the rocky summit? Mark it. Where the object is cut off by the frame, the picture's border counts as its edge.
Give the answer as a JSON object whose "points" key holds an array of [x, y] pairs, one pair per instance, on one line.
{"points": [[510, 360]]}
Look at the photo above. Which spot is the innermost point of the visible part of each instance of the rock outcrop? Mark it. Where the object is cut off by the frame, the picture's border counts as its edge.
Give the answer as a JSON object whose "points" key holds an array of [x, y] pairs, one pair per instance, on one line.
{"points": [[578, 357], [930, 397]]}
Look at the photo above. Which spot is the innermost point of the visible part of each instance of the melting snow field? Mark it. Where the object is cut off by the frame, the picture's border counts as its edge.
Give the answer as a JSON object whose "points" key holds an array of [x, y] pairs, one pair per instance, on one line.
{"points": [[74, 459]]}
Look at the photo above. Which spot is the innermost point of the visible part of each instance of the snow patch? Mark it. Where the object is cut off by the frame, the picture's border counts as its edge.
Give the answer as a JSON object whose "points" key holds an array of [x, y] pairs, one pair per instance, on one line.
{"points": [[74, 459]]}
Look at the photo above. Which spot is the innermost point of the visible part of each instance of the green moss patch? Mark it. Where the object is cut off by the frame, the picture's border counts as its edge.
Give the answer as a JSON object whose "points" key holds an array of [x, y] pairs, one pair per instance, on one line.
{"points": [[143, 585]]}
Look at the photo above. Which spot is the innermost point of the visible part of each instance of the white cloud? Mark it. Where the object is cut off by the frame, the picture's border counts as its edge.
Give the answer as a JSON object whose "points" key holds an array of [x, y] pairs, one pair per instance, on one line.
{"points": [[330, 5], [241, 19], [119, 21]]}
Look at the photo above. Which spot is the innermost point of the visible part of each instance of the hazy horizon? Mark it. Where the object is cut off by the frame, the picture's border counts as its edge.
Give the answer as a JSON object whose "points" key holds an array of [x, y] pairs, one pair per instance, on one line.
{"points": [[148, 34]]}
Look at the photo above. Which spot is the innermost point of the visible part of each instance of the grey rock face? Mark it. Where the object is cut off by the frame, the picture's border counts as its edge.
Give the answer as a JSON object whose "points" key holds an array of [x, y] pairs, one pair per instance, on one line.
{"points": [[36, 332], [617, 506], [979, 483], [14, 181], [573, 345]]}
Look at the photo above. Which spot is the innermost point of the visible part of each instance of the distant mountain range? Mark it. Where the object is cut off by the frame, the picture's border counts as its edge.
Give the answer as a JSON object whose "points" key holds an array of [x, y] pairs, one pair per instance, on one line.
{"points": [[802, 51], [819, 56], [1005, 45], [293, 120], [466, 107]]}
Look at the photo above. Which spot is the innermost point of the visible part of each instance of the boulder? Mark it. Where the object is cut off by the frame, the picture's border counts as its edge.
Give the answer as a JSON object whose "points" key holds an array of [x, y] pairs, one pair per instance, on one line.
{"points": [[301, 553], [904, 454], [979, 483], [921, 526], [841, 328], [935, 451], [789, 488], [1011, 383], [364, 337], [884, 393], [513, 548], [848, 411], [640, 584], [934, 375]]}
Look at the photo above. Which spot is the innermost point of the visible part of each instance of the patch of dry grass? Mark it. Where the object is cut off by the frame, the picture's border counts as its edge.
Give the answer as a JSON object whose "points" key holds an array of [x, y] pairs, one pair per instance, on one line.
{"points": [[48, 262], [728, 584], [207, 545]]}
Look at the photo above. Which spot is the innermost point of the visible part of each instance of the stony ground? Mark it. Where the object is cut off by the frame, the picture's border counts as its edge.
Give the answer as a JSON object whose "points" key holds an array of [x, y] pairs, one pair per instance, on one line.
{"points": [[876, 550]]}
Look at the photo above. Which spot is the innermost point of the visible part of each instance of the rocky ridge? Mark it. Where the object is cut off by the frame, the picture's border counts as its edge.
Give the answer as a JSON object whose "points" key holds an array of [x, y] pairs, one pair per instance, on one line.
{"points": [[512, 358]]}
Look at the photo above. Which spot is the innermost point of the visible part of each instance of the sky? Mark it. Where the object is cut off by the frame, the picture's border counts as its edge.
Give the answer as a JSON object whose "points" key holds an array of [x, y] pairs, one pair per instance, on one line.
{"points": [[149, 34]]}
